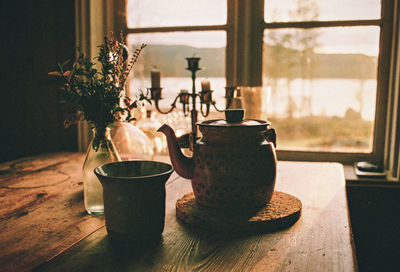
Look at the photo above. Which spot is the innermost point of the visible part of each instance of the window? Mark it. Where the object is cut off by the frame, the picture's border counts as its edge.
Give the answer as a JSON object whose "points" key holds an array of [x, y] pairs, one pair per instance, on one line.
{"points": [[323, 67], [322, 61]]}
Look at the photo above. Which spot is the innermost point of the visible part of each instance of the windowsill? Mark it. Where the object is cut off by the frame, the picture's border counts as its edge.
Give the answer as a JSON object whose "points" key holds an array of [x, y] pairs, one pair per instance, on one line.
{"points": [[353, 180]]}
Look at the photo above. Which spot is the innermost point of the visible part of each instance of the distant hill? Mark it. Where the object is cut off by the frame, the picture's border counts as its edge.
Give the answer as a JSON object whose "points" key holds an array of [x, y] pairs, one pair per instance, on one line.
{"points": [[170, 60], [357, 66]]}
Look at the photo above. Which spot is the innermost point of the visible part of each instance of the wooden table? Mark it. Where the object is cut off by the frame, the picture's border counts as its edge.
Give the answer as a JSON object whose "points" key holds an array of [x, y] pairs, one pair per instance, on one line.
{"points": [[44, 227]]}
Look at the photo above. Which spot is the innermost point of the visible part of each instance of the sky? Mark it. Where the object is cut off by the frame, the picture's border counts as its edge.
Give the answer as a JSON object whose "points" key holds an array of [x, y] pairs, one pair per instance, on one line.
{"points": [[327, 9], [148, 13]]}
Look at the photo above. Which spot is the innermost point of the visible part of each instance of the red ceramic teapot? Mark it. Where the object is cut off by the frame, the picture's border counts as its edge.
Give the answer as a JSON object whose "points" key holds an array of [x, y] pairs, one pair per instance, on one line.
{"points": [[233, 164]]}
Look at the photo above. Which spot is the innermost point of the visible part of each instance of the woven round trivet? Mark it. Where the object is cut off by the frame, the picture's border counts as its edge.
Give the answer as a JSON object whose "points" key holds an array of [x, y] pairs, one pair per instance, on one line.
{"points": [[281, 212]]}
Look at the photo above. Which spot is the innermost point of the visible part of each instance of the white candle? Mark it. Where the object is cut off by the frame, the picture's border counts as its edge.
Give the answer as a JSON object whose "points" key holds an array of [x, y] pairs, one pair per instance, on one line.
{"points": [[155, 78], [205, 85]]}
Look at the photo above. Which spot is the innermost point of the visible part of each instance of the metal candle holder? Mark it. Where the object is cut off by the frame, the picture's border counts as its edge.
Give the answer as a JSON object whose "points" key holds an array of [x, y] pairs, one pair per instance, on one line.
{"points": [[189, 99]]}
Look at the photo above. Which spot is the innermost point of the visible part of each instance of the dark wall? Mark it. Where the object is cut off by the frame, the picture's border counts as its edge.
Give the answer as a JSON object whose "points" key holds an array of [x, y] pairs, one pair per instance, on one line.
{"points": [[34, 36], [375, 221]]}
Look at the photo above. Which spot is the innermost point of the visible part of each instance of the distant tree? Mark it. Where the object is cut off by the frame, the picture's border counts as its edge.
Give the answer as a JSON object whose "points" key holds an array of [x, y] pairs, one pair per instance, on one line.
{"points": [[280, 62], [291, 54], [363, 76], [306, 41]]}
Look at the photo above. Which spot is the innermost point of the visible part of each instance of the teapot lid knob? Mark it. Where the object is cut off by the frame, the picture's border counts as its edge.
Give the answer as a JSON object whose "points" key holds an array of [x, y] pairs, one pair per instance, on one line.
{"points": [[234, 115]]}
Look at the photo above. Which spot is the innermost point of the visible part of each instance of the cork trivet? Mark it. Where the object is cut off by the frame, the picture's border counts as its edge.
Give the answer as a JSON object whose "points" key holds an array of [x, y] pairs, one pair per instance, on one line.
{"points": [[281, 212]]}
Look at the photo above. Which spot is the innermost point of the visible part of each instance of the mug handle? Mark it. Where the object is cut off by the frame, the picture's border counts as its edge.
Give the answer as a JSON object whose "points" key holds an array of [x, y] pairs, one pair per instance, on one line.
{"points": [[270, 136]]}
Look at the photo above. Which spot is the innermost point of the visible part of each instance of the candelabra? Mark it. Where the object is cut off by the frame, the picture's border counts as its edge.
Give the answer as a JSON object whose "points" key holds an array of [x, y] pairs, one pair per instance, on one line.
{"points": [[189, 103]]}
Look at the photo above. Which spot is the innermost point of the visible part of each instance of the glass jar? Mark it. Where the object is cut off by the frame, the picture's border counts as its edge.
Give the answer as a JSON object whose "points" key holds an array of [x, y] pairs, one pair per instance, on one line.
{"points": [[149, 126], [100, 154], [131, 142]]}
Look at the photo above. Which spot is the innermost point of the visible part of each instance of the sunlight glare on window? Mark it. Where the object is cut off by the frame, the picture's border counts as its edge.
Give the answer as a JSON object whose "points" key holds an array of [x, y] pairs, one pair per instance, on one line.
{"points": [[321, 10], [323, 87], [156, 13]]}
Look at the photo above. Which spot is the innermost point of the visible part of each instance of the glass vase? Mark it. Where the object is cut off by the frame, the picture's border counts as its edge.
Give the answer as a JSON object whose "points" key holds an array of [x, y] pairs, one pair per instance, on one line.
{"points": [[102, 153]]}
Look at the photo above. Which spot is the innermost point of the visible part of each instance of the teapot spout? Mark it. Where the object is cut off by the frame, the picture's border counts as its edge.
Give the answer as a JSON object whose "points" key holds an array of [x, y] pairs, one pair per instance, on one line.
{"points": [[184, 166]]}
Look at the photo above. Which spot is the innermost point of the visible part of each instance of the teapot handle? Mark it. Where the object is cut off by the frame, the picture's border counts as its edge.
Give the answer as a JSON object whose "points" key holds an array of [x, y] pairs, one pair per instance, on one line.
{"points": [[270, 136]]}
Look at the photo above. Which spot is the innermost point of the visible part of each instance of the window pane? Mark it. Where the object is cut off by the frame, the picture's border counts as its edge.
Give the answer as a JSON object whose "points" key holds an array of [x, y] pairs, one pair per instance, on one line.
{"points": [[321, 10], [167, 51], [175, 13], [323, 87]]}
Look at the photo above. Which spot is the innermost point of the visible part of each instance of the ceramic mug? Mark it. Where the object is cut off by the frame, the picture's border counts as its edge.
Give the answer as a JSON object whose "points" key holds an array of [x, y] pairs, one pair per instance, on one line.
{"points": [[134, 198]]}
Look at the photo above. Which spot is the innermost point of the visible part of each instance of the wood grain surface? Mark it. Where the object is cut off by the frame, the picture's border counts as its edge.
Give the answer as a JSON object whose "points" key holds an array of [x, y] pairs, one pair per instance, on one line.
{"points": [[41, 209], [319, 241]]}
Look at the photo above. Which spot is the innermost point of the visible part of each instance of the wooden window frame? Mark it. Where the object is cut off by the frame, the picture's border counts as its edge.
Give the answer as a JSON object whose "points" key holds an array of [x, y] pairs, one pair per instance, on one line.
{"points": [[392, 129]]}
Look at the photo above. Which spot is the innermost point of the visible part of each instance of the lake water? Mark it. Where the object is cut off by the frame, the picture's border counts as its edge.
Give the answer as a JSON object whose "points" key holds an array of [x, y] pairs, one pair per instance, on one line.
{"points": [[328, 97]]}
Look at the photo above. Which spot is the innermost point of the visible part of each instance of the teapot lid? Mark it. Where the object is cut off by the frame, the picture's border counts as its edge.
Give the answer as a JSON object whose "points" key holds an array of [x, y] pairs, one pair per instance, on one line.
{"points": [[234, 118]]}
